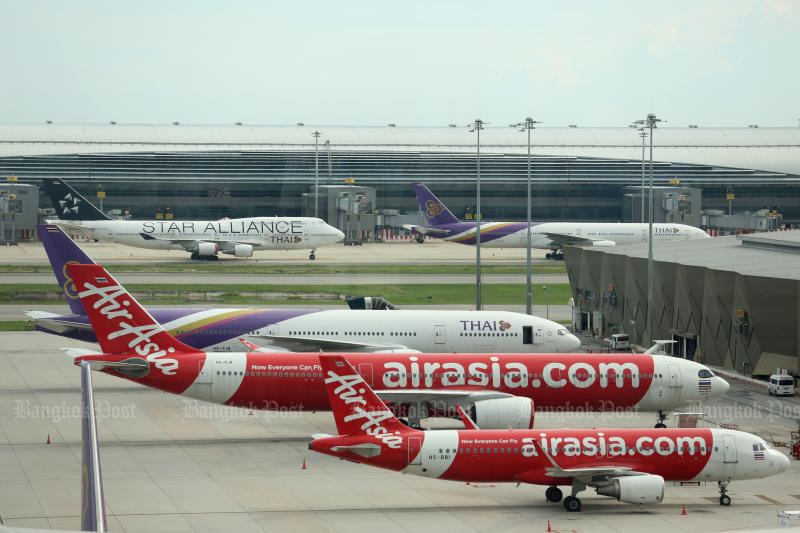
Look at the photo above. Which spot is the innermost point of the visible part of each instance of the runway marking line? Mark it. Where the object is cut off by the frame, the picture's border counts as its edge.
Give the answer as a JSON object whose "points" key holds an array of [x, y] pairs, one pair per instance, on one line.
{"points": [[768, 500]]}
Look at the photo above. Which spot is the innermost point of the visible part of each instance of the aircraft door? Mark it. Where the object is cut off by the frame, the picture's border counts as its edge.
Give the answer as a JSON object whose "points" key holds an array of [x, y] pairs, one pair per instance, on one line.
{"points": [[538, 335], [674, 376], [273, 330], [365, 369], [729, 449], [415, 450], [644, 235], [439, 334], [203, 382]]}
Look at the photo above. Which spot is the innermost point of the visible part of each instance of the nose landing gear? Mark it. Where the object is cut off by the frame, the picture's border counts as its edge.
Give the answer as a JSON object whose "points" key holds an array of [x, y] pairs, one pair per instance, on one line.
{"points": [[311, 256], [724, 499]]}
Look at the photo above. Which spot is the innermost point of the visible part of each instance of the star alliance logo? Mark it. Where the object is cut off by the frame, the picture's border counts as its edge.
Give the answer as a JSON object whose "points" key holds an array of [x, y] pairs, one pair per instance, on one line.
{"points": [[69, 205]]}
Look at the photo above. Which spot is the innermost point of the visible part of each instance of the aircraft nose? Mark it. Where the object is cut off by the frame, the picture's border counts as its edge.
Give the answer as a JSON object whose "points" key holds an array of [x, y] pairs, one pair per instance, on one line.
{"points": [[719, 387], [571, 343], [781, 460], [338, 235]]}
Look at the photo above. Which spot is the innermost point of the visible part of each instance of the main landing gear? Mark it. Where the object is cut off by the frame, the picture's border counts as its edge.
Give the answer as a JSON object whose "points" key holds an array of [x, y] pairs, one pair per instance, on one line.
{"points": [[311, 256], [571, 503], [197, 257], [553, 494], [555, 255], [661, 417], [724, 499]]}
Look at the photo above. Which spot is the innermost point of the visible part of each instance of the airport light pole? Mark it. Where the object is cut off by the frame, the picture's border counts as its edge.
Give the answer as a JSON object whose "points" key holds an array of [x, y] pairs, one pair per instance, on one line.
{"points": [[650, 122], [477, 126], [643, 135], [316, 135], [528, 125]]}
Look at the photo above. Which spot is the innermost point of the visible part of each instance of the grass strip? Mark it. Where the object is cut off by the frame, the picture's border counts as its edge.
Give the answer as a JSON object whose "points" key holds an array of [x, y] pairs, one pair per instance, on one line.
{"points": [[399, 294], [317, 268]]}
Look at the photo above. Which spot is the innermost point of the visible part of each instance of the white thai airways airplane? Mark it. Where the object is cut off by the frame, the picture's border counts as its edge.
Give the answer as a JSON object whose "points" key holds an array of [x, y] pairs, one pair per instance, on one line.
{"points": [[297, 330], [553, 236], [203, 238]]}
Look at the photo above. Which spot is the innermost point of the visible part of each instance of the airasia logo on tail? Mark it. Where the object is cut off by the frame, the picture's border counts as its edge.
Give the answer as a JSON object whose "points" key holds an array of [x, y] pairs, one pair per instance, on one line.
{"points": [[141, 336], [373, 421]]}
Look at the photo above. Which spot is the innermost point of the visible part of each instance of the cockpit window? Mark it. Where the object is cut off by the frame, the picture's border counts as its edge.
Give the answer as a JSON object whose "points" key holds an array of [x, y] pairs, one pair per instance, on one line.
{"points": [[705, 373], [561, 332]]}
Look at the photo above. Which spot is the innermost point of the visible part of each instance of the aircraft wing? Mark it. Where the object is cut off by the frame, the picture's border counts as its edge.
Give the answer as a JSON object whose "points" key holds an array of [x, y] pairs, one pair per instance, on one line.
{"points": [[589, 475], [454, 397], [311, 344], [428, 230], [189, 244], [563, 239]]}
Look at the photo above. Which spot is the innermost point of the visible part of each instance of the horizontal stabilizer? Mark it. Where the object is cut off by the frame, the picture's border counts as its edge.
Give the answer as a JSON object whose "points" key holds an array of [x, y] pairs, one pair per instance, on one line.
{"points": [[366, 449]]}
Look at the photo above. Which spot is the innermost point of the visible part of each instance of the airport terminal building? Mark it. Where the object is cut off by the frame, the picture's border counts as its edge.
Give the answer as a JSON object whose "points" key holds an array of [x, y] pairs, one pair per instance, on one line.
{"points": [[244, 170], [732, 301]]}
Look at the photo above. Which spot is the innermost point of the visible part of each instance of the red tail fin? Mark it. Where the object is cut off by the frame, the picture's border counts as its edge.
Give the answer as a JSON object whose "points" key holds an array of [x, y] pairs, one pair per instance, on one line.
{"points": [[356, 408], [120, 323]]}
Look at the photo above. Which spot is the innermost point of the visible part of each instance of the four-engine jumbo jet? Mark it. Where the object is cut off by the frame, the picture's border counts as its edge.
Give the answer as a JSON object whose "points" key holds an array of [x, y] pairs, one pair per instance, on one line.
{"points": [[203, 238], [499, 389], [297, 330], [441, 223], [630, 465]]}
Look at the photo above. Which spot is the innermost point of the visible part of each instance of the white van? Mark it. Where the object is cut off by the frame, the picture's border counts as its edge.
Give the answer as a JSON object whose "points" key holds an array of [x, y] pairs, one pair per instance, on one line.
{"points": [[620, 341], [780, 384]]}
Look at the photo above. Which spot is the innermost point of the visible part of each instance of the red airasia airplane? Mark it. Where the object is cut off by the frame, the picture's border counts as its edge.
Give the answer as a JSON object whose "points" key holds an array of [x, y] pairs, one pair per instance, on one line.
{"points": [[630, 465], [497, 389]]}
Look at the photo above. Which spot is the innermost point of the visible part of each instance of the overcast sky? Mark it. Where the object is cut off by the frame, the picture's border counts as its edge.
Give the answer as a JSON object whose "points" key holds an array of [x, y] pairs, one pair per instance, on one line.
{"points": [[415, 63]]}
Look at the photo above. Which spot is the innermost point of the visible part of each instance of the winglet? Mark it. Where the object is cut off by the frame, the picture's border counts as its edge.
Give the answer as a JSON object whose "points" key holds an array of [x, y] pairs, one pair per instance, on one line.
{"points": [[547, 455], [93, 510], [468, 423]]}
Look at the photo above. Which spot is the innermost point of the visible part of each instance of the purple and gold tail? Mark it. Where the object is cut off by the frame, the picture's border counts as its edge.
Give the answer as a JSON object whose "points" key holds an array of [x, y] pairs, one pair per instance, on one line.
{"points": [[435, 212], [61, 251]]}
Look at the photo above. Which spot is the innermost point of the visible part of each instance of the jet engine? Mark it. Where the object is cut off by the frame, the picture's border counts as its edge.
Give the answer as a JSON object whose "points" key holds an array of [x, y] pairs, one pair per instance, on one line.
{"points": [[239, 250], [206, 249], [644, 489], [604, 243], [503, 413]]}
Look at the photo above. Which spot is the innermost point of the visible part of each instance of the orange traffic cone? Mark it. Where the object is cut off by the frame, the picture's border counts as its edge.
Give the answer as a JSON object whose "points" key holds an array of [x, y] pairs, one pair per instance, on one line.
{"points": [[683, 512], [48, 438], [304, 464], [548, 526]]}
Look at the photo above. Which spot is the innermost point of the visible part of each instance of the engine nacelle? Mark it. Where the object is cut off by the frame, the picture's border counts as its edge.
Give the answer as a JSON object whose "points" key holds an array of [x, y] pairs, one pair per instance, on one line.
{"points": [[604, 243], [503, 413], [206, 248], [239, 250], [645, 489]]}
